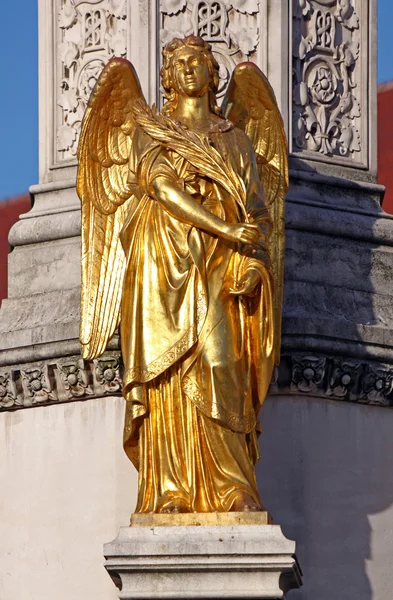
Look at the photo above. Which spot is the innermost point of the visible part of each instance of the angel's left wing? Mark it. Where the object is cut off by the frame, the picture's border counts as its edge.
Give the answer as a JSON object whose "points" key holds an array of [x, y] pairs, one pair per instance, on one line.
{"points": [[251, 105], [104, 149]]}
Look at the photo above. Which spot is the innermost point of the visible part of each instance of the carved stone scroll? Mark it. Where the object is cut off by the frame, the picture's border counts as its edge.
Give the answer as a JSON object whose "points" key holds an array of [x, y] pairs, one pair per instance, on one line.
{"points": [[329, 103], [88, 32]]}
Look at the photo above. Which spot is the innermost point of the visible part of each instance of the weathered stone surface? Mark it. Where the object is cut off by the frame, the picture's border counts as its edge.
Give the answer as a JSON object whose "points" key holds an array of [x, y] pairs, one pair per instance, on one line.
{"points": [[239, 561], [36, 267], [325, 476], [338, 295], [43, 301]]}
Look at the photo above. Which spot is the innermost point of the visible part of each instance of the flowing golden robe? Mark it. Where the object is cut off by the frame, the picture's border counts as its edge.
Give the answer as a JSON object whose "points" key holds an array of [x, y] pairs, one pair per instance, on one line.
{"points": [[198, 359]]}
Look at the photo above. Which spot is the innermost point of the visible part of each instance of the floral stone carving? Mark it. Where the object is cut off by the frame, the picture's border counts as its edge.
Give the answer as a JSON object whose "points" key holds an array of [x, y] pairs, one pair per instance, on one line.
{"points": [[108, 374], [37, 386], [337, 378], [88, 34], [8, 392], [327, 79], [75, 379], [308, 372]]}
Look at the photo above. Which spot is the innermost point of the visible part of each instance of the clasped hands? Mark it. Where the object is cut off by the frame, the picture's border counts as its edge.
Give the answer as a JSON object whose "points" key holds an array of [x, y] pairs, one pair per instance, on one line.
{"points": [[248, 234]]}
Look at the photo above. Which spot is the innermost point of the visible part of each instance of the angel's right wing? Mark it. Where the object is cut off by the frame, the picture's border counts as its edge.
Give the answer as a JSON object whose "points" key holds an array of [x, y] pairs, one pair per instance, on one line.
{"points": [[251, 105], [103, 153]]}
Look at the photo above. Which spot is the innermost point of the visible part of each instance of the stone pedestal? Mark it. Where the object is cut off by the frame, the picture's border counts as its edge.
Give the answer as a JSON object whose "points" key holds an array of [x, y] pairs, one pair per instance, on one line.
{"points": [[202, 561]]}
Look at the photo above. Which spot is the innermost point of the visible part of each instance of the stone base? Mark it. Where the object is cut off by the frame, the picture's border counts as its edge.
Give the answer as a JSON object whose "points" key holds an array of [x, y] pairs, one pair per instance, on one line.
{"points": [[202, 561]]}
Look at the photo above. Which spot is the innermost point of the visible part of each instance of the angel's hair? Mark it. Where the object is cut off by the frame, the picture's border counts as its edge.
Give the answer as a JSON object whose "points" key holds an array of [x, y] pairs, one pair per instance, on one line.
{"points": [[167, 74]]}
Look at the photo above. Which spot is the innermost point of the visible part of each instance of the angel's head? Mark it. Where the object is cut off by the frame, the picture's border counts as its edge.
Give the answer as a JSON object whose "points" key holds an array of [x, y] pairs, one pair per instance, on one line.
{"points": [[189, 68]]}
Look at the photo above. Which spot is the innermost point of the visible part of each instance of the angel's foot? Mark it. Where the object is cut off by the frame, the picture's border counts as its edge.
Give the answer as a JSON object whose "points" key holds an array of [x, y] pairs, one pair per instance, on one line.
{"points": [[245, 503], [174, 506]]}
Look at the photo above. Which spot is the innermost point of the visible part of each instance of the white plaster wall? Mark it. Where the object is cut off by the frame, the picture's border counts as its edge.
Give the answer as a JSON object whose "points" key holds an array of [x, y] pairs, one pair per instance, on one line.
{"points": [[66, 486], [326, 475]]}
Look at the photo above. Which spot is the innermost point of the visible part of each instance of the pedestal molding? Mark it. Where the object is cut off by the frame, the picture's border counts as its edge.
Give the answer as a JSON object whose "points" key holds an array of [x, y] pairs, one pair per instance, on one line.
{"points": [[240, 561], [313, 176], [52, 186]]}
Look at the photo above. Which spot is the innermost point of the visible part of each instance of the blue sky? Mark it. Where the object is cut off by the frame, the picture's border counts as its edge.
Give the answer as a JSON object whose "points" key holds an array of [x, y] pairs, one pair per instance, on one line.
{"points": [[19, 97]]}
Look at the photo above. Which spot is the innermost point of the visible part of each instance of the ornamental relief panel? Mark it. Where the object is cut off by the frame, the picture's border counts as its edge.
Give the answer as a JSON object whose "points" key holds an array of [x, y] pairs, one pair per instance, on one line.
{"points": [[327, 80], [89, 32], [232, 27]]}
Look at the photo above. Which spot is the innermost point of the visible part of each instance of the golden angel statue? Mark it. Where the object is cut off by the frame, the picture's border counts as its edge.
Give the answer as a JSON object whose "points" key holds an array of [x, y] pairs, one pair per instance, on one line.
{"points": [[182, 248]]}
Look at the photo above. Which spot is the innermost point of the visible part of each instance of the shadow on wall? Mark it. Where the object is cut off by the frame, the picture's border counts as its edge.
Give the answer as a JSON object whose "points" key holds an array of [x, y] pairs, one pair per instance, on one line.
{"points": [[338, 268], [326, 468]]}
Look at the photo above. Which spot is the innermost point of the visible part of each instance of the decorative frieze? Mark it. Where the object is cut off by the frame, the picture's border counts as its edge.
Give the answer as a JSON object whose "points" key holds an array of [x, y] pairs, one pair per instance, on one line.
{"points": [[65, 379], [73, 378], [329, 81], [336, 378], [88, 33], [232, 27]]}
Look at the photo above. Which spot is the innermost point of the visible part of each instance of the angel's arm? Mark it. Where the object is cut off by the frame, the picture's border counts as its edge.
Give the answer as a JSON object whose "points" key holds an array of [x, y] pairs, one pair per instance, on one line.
{"points": [[181, 205], [153, 172]]}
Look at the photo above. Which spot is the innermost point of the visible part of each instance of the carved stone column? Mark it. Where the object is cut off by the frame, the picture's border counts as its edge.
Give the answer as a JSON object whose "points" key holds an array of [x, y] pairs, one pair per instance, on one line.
{"points": [[39, 321], [333, 84], [338, 305]]}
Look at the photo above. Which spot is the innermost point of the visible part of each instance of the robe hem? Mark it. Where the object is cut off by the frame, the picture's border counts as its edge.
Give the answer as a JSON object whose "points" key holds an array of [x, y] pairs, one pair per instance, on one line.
{"points": [[233, 421], [143, 374]]}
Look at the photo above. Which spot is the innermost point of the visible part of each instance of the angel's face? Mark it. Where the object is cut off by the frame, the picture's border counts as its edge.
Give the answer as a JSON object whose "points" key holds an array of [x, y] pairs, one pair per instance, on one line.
{"points": [[191, 72]]}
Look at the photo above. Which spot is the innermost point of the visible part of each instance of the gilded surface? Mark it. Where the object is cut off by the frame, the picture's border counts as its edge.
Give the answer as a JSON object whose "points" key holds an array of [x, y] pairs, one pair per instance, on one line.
{"points": [[197, 519], [182, 246]]}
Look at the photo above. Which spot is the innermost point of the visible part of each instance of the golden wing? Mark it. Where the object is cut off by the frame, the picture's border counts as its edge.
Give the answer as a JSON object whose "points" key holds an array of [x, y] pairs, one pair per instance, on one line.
{"points": [[251, 105], [103, 153]]}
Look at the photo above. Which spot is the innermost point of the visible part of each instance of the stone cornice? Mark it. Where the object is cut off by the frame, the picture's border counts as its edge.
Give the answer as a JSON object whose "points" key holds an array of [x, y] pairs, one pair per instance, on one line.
{"points": [[71, 378]]}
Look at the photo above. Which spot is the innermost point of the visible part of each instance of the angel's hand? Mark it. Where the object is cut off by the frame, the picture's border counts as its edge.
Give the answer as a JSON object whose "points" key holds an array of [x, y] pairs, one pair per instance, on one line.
{"points": [[246, 233], [247, 285]]}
